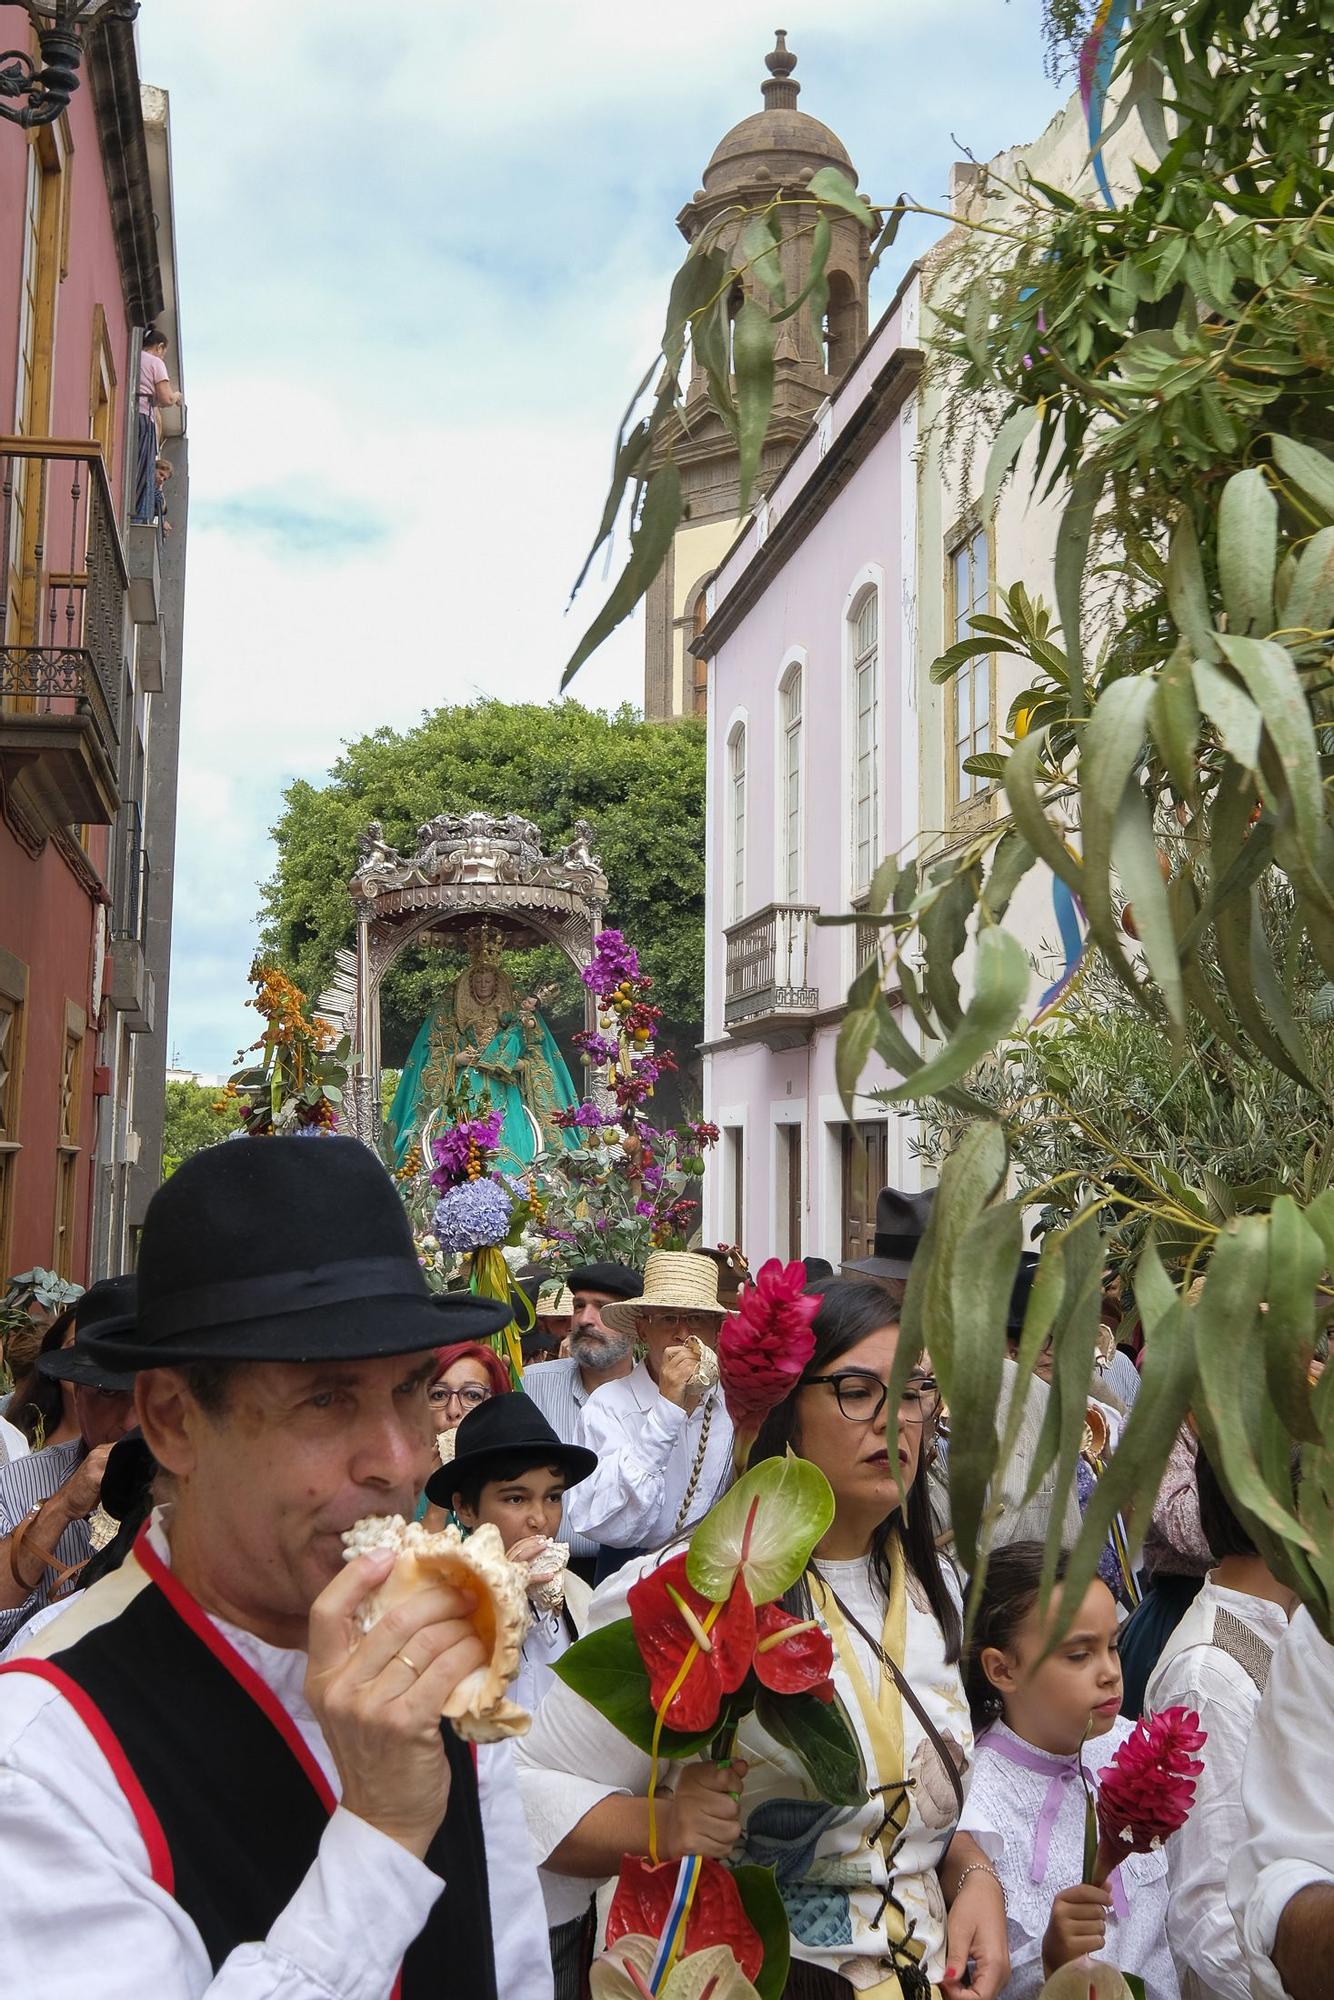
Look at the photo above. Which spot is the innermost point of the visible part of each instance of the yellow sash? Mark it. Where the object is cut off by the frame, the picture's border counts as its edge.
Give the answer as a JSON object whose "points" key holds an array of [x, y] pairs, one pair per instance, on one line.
{"points": [[882, 1714]]}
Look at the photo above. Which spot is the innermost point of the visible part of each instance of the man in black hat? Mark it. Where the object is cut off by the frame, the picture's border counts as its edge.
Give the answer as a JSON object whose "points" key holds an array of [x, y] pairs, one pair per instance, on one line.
{"points": [[47, 1496], [597, 1355], [225, 1788], [900, 1225]]}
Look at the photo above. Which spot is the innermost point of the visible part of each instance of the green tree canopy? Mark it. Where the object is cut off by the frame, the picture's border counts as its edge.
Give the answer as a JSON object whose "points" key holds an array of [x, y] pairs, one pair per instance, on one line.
{"points": [[641, 785], [193, 1121]]}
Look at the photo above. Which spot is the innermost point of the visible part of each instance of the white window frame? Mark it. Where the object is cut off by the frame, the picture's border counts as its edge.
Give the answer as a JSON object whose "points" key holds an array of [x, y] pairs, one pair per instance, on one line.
{"points": [[790, 779], [864, 762], [737, 754], [977, 677]]}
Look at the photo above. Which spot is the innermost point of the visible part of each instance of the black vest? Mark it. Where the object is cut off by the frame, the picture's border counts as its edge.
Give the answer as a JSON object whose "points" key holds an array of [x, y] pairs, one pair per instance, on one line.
{"points": [[241, 1818]]}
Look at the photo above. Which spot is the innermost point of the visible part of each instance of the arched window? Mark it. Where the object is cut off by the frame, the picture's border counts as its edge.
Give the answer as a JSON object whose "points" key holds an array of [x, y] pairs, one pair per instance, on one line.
{"points": [[699, 669], [736, 749], [789, 783], [842, 326], [865, 697]]}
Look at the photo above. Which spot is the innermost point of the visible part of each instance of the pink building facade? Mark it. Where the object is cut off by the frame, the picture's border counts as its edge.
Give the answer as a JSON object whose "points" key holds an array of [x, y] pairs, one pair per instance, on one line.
{"points": [[813, 748]]}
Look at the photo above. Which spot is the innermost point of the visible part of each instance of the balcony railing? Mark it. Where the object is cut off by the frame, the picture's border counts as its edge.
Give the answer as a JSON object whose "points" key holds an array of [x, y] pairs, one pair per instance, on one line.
{"points": [[768, 978], [62, 626]]}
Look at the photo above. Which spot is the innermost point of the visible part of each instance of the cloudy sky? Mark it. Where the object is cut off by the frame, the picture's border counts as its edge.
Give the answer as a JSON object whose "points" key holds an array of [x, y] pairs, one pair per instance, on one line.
{"points": [[424, 251]]}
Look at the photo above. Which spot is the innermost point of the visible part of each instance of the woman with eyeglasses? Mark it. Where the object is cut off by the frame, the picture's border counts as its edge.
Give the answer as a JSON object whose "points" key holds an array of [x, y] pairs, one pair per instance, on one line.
{"points": [[886, 1900], [466, 1374]]}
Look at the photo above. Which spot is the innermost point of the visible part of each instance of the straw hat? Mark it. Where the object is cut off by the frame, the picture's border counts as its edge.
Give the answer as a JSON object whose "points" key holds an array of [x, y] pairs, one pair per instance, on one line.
{"points": [[674, 1281], [554, 1301]]}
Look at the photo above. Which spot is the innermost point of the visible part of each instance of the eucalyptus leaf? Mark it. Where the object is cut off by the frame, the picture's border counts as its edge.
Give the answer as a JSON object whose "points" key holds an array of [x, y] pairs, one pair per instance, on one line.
{"points": [[649, 543], [753, 360], [1309, 470], [1247, 551], [1001, 978], [1010, 439], [981, 1283], [1072, 544]]}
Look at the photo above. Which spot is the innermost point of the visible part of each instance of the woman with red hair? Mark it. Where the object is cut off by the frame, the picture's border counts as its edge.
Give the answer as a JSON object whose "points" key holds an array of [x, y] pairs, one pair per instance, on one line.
{"points": [[466, 1374]]}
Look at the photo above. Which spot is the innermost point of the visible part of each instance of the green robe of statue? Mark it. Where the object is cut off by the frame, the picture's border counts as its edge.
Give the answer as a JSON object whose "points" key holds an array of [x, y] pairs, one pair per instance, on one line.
{"points": [[486, 1044]]}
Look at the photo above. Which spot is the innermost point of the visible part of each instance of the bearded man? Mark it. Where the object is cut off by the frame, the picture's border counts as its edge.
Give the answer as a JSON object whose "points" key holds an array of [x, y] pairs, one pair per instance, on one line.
{"points": [[598, 1354], [215, 1785]]}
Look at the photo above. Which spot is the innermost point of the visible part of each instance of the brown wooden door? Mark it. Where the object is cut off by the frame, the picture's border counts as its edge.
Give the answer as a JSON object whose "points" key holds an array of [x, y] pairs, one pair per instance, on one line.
{"points": [[792, 1189], [865, 1171]]}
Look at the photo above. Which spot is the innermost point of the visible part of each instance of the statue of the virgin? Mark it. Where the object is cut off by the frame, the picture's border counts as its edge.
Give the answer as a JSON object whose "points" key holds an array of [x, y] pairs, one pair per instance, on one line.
{"points": [[481, 1040]]}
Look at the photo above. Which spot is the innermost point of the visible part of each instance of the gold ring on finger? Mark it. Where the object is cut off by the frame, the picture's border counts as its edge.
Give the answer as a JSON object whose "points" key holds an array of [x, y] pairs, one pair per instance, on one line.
{"points": [[411, 1664]]}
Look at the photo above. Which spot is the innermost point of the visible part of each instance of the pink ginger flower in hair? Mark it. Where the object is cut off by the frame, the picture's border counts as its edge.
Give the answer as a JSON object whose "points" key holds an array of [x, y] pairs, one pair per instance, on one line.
{"points": [[766, 1344], [1148, 1789]]}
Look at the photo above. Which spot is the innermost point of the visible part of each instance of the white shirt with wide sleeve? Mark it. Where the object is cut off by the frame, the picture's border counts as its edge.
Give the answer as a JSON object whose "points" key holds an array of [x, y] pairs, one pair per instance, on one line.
{"points": [[1288, 1793], [81, 1914], [1197, 1671], [646, 1449]]}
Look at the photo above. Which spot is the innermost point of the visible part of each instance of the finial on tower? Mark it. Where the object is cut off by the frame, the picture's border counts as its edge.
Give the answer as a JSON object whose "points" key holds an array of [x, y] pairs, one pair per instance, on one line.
{"points": [[780, 92]]}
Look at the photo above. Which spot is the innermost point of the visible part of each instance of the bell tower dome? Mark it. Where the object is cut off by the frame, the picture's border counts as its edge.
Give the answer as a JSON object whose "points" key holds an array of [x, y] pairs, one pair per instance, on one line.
{"points": [[775, 151]]}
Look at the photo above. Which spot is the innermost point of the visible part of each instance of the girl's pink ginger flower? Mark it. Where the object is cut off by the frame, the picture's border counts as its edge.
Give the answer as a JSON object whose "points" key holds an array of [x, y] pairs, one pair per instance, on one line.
{"points": [[1148, 1789]]}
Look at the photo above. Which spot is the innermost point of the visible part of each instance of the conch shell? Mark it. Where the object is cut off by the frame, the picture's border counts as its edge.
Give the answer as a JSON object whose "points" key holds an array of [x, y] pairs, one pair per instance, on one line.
{"points": [[546, 1576], [706, 1365], [478, 1707]]}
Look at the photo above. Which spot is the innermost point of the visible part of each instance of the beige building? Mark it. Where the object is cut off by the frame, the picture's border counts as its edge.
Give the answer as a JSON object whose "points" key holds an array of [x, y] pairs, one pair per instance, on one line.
{"points": [[777, 149]]}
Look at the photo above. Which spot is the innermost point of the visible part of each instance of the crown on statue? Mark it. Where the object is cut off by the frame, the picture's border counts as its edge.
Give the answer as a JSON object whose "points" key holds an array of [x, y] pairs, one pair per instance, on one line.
{"points": [[486, 946]]}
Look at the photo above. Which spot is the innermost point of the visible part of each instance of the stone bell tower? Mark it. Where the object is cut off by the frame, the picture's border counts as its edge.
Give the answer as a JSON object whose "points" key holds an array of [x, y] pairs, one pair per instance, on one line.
{"points": [[775, 150]]}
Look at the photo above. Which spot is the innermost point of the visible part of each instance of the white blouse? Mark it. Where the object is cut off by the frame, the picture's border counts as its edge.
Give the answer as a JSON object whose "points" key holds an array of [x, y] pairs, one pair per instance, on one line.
{"points": [[1005, 1804], [831, 1863]]}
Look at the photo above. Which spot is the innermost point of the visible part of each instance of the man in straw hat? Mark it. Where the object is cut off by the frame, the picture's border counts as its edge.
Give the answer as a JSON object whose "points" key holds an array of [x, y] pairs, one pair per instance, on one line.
{"points": [[223, 1788], [662, 1435], [46, 1498]]}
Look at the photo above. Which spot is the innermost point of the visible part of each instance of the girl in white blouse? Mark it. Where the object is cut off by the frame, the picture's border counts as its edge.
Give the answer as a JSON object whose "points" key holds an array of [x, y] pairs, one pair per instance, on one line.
{"points": [[886, 1899], [1047, 1723]]}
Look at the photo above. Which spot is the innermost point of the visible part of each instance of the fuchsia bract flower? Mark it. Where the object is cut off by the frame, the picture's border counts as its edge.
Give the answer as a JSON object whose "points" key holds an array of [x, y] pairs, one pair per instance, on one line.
{"points": [[1148, 1789], [764, 1346]]}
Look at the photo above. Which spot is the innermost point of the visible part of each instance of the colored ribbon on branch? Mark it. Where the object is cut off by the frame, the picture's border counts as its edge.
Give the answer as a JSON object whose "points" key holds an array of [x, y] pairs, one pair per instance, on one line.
{"points": [[1097, 59], [1069, 922], [490, 1279]]}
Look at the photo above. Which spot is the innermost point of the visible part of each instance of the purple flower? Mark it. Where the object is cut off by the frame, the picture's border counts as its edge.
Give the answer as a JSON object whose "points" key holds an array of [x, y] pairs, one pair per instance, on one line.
{"points": [[598, 1048], [613, 961], [651, 1174], [601, 1225], [473, 1215], [644, 1208]]}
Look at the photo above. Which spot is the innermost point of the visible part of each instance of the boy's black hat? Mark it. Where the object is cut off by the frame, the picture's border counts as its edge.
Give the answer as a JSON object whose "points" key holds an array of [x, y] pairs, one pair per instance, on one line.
{"points": [[506, 1428]]}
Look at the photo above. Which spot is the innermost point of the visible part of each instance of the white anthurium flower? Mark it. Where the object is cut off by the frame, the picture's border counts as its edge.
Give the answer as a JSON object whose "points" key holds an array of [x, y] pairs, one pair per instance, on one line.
{"points": [[623, 1974]]}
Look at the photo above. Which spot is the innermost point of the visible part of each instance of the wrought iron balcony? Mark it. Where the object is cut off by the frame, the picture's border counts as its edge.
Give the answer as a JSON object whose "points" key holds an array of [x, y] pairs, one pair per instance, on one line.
{"points": [[62, 634], [769, 996]]}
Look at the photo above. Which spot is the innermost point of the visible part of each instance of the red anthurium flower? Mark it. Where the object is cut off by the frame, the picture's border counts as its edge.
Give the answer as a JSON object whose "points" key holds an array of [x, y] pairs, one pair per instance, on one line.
{"points": [[717, 1915], [1148, 1789], [793, 1655], [766, 1343], [671, 1621]]}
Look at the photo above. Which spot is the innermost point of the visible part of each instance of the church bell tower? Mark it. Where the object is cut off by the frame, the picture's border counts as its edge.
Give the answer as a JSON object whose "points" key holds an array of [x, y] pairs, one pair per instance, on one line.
{"points": [[777, 149]]}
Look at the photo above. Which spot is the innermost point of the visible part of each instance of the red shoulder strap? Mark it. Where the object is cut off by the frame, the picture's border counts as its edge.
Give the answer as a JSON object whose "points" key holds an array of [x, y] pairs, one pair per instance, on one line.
{"points": [[150, 1828]]}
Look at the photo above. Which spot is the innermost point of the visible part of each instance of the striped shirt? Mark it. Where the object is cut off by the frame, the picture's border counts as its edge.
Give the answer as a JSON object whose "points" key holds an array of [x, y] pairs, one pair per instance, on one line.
{"points": [[558, 1389], [24, 1484]]}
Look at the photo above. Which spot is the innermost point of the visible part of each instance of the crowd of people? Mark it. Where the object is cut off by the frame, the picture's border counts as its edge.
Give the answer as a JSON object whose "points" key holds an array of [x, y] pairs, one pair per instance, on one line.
{"points": [[212, 1781]]}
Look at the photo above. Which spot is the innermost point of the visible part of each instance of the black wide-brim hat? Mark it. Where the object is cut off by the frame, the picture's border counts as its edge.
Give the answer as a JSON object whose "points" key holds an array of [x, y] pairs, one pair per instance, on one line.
{"points": [[504, 1428], [106, 1307], [285, 1250], [1023, 1285], [617, 1281], [900, 1224]]}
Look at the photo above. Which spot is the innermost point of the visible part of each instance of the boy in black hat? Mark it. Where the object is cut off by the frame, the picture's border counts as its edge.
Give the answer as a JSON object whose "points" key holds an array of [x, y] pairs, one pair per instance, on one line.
{"points": [[511, 1469], [223, 1784]]}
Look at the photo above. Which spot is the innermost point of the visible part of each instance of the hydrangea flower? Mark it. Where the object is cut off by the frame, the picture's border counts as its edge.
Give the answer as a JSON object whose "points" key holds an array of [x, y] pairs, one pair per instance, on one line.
{"points": [[473, 1216]]}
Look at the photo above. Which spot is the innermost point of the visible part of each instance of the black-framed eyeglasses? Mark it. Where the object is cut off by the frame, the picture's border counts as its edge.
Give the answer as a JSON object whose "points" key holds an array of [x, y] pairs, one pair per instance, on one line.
{"points": [[862, 1396], [472, 1393]]}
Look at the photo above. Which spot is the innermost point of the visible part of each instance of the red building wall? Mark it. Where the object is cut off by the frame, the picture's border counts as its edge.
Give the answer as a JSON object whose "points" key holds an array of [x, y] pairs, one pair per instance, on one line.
{"points": [[49, 916]]}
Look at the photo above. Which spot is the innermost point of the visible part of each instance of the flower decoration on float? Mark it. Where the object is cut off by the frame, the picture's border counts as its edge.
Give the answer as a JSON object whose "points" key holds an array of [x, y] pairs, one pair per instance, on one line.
{"points": [[623, 1046], [296, 1086], [706, 1644]]}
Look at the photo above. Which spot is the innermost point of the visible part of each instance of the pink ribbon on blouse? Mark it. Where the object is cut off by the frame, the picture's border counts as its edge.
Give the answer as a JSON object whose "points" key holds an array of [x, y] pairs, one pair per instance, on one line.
{"points": [[1062, 1771]]}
